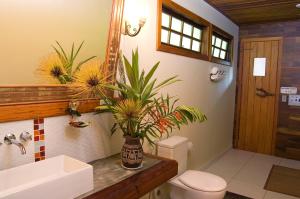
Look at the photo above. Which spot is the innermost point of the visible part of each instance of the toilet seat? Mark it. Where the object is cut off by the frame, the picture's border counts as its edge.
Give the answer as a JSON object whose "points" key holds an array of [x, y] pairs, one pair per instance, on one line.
{"points": [[202, 181]]}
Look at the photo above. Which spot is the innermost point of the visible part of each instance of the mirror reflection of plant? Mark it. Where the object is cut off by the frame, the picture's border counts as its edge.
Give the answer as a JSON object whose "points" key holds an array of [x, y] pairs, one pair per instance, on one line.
{"points": [[62, 68], [138, 113], [51, 69], [91, 79]]}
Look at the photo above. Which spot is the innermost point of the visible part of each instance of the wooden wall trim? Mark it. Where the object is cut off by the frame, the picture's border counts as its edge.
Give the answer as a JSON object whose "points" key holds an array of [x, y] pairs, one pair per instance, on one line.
{"points": [[16, 112]]}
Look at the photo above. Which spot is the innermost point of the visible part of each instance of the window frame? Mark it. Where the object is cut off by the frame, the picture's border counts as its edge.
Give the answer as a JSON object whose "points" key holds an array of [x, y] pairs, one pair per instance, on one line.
{"points": [[208, 29], [227, 37], [187, 16]]}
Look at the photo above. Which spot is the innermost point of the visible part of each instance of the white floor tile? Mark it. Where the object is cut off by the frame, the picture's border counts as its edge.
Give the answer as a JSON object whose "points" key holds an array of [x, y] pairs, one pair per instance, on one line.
{"points": [[230, 164], [257, 169], [246, 189], [274, 195], [266, 159], [247, 172], [290, 163]]}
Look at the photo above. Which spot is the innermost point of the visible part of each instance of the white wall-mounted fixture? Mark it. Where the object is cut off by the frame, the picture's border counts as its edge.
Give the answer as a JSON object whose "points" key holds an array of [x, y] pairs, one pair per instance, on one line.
{"points": [[288, 90], [216, 74], [298, 5], [135, 14], [259, 68]]}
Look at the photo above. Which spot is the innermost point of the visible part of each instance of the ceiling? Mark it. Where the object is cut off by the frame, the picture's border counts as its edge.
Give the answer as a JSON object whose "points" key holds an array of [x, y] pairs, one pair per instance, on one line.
{"points": [[256, 11]]}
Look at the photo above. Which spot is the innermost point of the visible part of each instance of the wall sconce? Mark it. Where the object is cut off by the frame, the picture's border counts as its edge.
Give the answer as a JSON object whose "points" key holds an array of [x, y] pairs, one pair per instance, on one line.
{"points": [[134, 31], [134, 17]]}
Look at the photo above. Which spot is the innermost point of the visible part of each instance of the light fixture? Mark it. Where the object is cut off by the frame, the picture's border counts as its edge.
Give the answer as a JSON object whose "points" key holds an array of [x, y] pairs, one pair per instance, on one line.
{"points": [[298, 5], [134, 17], [134, 31]]}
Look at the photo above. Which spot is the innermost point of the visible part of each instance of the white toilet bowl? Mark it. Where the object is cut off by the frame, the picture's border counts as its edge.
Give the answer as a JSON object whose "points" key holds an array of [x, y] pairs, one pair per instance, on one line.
{"points": [[197, 185]]}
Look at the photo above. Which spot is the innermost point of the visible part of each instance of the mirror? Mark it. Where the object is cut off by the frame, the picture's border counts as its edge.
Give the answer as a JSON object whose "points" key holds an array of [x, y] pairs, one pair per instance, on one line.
{"points": [[30, 28]]}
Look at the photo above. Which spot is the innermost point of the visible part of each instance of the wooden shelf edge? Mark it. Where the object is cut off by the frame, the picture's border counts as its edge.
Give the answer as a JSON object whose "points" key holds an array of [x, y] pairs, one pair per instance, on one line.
{"points": [[42, 110], [287, 131]]}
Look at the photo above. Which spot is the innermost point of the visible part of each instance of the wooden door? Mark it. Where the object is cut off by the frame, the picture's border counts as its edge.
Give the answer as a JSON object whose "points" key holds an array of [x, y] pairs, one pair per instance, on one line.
{"points": [[256, 116]]}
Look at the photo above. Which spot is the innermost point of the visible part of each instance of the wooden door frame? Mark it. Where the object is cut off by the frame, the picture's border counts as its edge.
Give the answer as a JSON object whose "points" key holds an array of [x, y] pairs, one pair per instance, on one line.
{"points": [[238, 96]]}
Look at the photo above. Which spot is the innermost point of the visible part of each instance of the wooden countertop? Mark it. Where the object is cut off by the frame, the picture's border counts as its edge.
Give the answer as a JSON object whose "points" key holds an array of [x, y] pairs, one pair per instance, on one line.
{"points": [[111, 181]]}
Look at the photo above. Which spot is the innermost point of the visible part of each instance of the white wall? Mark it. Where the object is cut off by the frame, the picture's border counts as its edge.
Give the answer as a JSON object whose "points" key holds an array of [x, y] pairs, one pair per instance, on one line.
{"points": [[216, 100]]}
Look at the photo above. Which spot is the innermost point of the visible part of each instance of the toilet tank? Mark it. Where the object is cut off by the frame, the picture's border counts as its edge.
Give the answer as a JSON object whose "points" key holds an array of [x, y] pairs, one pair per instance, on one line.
{"points": [[176, 148]]}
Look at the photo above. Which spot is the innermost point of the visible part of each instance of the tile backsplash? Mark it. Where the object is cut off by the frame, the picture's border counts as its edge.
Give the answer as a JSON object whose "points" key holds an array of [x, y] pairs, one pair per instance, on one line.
{"points": [[39, 139], [53, 136]]}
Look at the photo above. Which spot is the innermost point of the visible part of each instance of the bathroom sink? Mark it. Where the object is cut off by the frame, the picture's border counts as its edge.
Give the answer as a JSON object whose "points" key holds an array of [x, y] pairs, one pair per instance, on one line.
{"points": [[60, 177]]}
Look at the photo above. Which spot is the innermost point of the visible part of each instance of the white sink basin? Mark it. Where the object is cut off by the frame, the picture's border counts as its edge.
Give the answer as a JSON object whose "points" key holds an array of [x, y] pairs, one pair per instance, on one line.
{"points": [[60, 177]]}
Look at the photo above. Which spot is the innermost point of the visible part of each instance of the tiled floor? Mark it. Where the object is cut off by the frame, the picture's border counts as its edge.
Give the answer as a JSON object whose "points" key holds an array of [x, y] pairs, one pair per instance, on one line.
{"points": [[247, 172]]}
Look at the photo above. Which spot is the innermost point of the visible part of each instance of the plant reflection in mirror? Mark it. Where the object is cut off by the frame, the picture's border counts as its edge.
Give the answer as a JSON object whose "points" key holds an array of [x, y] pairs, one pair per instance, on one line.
{"points": [[51, 69], [91, 79], [60, 66]]}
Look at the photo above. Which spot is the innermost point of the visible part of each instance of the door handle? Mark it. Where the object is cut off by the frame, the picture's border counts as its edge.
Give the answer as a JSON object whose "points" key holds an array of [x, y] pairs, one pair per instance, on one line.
{"points": [[263, 93]]}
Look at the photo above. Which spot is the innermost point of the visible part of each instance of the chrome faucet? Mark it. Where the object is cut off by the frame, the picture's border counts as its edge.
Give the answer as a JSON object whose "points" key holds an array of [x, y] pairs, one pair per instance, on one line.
{"points": [[11, 139]]}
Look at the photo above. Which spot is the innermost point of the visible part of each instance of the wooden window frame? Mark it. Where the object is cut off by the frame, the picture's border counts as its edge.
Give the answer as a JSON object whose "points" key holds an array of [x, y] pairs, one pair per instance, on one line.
{"points": [[227, 37], [190, 17], [207, 31]]}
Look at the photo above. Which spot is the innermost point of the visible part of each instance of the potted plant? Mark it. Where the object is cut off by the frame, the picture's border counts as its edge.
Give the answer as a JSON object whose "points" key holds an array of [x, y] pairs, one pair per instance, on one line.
{"points": [[140, 114]]}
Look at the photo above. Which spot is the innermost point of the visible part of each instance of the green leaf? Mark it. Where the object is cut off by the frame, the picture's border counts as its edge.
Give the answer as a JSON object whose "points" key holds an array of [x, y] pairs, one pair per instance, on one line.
{"points": [[129, 72], [62, 50], [83, 62], [150, 74], [80, 46], [166, 82]]}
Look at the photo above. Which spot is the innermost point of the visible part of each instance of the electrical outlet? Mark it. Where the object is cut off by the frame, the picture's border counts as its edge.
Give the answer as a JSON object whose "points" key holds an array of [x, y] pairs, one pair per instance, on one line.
{"points": [[294, 100]]}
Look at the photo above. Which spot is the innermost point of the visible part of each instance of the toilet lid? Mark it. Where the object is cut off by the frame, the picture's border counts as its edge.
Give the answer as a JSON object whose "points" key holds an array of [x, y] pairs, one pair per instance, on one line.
{"points": [[202, 181]]}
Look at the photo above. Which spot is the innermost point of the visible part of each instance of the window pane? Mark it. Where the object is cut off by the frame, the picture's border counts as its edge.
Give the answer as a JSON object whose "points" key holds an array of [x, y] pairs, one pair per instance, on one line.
{"points": [[212, 50], [197, 33], [213, 40], [176, 24], [186, 43], [218, 42], [223, 54], [224, 45], [164, 36], [175, 39], [216, 52], [165, 20], [196, 46], [187, 29]]}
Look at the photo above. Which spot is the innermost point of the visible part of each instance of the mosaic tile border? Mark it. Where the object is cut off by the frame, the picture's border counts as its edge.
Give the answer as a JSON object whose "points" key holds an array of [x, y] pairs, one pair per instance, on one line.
{"points": [[39, 139]]}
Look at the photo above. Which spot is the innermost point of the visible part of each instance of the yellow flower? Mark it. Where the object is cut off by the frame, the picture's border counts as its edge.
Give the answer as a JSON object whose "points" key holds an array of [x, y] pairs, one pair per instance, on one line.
{"points": [[128, 110], [90, 78], [51, 68]]}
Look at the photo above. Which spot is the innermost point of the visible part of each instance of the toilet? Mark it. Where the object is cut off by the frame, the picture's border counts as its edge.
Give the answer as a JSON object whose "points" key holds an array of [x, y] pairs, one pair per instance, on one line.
{"points": [[189, 184]]}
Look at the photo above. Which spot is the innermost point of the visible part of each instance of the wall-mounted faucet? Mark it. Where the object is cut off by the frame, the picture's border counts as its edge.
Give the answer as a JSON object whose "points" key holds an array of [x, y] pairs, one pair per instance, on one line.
{"points": [[11, 139], [25, 136]]}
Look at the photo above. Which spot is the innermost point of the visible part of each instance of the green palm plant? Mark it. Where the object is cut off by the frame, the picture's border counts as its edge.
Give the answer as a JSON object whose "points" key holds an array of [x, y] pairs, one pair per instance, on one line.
{"points": [[138, 112]]}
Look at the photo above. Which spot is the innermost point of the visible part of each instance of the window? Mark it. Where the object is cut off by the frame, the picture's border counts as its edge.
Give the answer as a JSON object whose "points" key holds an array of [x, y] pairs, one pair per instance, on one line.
{"points": [[220, 48], [179, 32]]}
